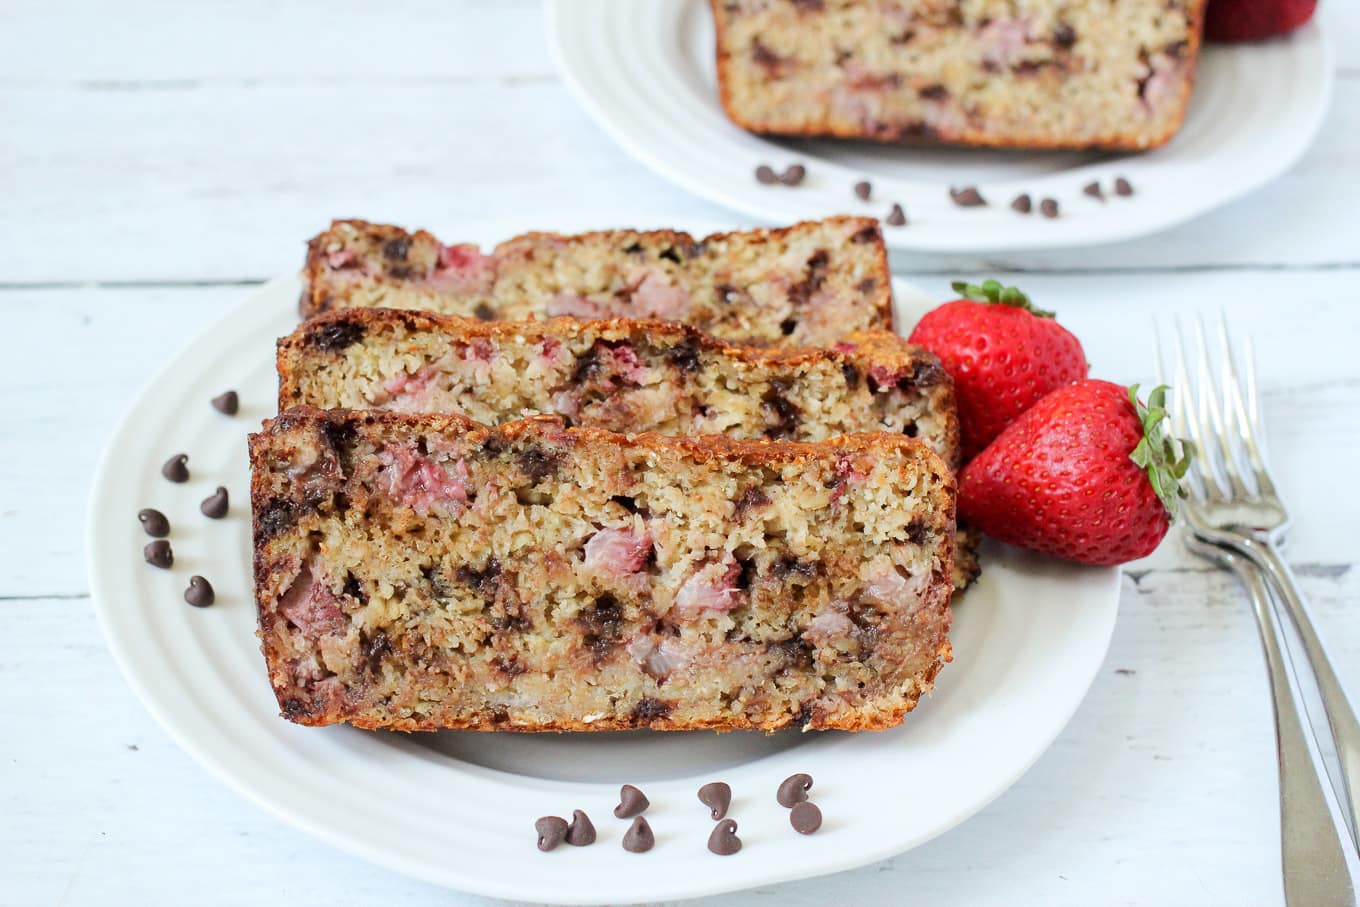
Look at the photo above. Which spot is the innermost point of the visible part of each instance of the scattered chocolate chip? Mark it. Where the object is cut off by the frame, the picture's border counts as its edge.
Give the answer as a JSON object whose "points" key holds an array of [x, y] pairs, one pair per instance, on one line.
{"points": [[1064, 35], [581, 831], [632, 802], [159, 554], [793, 176], [967, 197], [200, 592], [717, 796], [176, 469], [805, 818], [1022, 203], [552, 830], [766, 176], [896, 217], [863, 190], [724, 841], [154, 522], [484, 312], [1093, 189], [1123, 187], [396, 248], [794, 789], [934, 92], [227, 403], [639, 838], [1049, 207], [214, 506]]}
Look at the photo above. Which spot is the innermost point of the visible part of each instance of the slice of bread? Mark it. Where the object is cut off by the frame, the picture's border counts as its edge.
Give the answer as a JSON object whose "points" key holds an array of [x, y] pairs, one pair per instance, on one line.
{"points": [[810, 284], [621, 375], [1021, 74], [423, 571]]}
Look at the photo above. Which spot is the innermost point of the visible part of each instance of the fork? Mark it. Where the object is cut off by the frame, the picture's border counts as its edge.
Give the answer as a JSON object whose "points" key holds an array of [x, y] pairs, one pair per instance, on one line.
{"points": [[1237, 519], [1233, 501]]}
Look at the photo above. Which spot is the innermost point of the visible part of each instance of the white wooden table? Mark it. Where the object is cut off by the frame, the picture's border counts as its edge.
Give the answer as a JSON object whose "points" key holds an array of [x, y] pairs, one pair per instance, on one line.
{"points": [[157, 158]]}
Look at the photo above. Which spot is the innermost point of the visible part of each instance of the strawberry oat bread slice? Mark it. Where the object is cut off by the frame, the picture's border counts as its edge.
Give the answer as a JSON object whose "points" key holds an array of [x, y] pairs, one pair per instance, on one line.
{"points": [[621, 375], [418, 572], [1021, 73], [805, 285]]}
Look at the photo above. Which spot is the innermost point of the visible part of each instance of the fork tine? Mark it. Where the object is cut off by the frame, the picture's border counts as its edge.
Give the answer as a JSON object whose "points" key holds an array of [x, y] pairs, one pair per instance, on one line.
{"points": [[1209, 400], [1191, 424], [1249, 424], [1236, 432]]}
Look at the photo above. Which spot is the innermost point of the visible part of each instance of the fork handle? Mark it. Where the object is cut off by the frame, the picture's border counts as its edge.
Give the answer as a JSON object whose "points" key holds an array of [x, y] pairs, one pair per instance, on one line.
{"points": [[1340, 712], [1318, 868]]}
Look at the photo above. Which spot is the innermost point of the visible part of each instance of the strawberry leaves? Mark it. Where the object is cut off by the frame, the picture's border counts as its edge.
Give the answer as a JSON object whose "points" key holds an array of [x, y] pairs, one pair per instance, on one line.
{"points": [[1163, 457], [995, 291]]}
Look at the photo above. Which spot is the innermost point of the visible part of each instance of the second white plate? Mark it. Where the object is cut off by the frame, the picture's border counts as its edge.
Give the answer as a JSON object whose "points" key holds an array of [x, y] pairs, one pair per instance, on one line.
{"points": [[646, 73]]}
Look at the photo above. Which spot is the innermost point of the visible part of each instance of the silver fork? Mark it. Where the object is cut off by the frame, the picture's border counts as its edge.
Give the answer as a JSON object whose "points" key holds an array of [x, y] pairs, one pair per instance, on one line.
{"points": [[1236, 518]]}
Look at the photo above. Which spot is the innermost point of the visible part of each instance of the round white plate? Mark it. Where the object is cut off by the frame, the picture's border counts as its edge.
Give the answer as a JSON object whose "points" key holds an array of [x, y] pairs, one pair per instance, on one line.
{"points": [[646, 73], [457, 808]]}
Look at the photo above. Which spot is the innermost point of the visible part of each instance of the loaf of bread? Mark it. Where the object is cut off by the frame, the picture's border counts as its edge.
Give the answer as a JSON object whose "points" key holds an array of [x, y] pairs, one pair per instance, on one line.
{"points": [[423, 571], [806, 285], [1018, 73], [621, 375]]}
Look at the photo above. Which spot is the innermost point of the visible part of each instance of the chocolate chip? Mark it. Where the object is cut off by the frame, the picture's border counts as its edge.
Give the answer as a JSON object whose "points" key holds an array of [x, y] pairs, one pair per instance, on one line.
{"points": [[794, 789], [793, 176], [176, 469], [863, 190], [724, 841], [1022, 203], [154, 522], [1123, 187], [158, 554], [1049, 207], [766, 176], [896, 217], [227, 403], [867, 234], [717, 796], [334, 337], [1064, 35], [484, 312], [649, 709], [200, 592], [805, 818], [639, 838], [552, 831], [1093, 189], [935, 92], [214, 506], [396, 248], [632, 802], [581, 832], [967, 197]]}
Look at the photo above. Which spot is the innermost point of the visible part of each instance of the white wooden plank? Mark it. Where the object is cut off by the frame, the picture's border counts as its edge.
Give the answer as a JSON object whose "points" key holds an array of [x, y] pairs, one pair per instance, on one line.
{"points": [[160, 41], [1162, 790], [224, 180]]}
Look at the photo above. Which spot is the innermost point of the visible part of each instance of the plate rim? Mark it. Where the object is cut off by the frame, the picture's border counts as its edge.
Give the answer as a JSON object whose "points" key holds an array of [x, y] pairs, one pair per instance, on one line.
{"points": [[218, 764], [556, 14]]}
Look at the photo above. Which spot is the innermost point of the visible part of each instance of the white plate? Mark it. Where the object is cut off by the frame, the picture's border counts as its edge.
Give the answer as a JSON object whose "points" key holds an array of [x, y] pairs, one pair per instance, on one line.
{"points": [[646, 73], [458, 808]]}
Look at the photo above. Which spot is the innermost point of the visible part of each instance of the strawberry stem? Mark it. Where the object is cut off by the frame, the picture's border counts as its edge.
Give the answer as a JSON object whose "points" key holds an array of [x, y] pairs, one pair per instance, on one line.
{"points": [[1164, 457], [995, 291]]}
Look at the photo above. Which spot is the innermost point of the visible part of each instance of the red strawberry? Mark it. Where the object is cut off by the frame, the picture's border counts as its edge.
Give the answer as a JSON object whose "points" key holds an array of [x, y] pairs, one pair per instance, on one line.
{"points": [[1252, 20], [1087, 474], [1002, 353]]}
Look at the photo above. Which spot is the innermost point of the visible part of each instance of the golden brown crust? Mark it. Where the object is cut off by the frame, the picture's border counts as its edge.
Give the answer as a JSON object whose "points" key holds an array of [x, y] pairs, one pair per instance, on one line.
{"points": [[911, 134], [933, 647]]}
